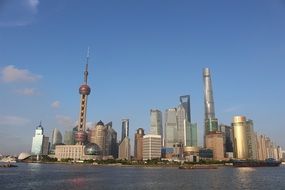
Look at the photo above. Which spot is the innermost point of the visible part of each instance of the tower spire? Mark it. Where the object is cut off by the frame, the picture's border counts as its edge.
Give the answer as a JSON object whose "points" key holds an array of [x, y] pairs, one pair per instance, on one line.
{"points": [[86, 67]]}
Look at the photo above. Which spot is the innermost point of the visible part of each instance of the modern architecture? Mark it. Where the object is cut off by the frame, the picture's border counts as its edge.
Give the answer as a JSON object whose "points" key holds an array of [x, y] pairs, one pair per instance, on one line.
{"points": [[151, 147], [155, 122], [138, 151], [211, 122], [84, 91]]}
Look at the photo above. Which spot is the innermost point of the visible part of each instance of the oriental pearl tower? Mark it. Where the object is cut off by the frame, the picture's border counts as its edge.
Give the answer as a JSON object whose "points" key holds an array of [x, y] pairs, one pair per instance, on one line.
{"points": [[84, 91]]}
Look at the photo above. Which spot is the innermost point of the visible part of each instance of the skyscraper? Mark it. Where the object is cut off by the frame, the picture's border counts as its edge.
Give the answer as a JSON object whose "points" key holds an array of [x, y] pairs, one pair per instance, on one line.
{"points": [[125, 146], [139, 144], [211, 122], [97, 135], [170, 131], [69, 138], [84, 91], [155, 122], [228, 137], [124, 149], [40, 143], [185, 102], [111, 141], [182, 124], [244, 138], [56, 138], [125, 128]]}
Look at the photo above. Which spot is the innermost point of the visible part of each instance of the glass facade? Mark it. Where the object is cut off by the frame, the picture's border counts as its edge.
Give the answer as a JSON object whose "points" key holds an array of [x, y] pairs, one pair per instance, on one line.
{"points": [[38, 140], [170, 137], [155, 122], [125, 128]]}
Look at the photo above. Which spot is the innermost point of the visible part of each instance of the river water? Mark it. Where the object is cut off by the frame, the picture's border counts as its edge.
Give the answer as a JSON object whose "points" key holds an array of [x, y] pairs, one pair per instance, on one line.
{"points": [[67, 176]]}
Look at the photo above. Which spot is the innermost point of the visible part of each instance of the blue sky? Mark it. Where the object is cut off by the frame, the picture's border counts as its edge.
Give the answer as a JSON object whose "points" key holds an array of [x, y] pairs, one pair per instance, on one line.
{"points": [[144, 55]]}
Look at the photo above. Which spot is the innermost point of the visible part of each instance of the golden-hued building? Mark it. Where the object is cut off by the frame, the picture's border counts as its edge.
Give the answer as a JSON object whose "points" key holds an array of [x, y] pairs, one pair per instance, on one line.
{"points": [[245, 141]]}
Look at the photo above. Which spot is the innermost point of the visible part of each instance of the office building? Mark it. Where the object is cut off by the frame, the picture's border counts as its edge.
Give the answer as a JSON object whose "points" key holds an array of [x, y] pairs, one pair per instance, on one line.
{"points": [[68, 138], [97, 135], [170, 132], [155, 122], [56, 138], [139, 144], [124, 149], [192, 135], [40, 144], [111, 145], [215, 142], [125, 128], [151, 147], [228, 137], [245, 143]]}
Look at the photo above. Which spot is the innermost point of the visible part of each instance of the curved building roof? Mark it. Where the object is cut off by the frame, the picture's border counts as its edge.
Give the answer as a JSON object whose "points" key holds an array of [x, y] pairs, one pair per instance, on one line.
{"points": [[24, 155]]}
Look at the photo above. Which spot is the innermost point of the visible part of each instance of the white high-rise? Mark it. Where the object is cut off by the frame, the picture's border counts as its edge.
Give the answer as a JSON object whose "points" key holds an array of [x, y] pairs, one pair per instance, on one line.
{"points": [[151, 147], [40, 143]]}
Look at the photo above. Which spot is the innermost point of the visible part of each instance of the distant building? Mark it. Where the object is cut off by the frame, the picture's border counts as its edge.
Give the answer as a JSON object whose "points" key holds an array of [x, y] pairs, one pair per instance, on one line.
{"points": [[97, 135], [228, 137], [206, 154], [182, 125], [215, 142], [111, 141], [245, 143], [151, 147], [155, 122], [40, 145], [191, 153], [124, 149], [56, 138], [139, 144], [74, 152], [125, 128], [69, 138], [170, 131], [211, 122], [191, 135]]}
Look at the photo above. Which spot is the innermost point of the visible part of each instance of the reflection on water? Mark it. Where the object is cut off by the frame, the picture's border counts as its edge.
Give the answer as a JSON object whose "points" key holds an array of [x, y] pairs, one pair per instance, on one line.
{"points": [[35, 166], [71, 177], [78, 182]]}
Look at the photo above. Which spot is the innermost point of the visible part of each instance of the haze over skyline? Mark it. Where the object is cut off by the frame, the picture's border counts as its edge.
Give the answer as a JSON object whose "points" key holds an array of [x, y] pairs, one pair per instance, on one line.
{"points": [[143, 55]]}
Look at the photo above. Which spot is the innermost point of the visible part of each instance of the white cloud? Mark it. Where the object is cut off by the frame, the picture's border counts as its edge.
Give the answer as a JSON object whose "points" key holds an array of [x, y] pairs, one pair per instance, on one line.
{"points": [[55, 104], [18, 12], [33, 4], [65, 121], [13, 120], [27, 92], [12, 74]]}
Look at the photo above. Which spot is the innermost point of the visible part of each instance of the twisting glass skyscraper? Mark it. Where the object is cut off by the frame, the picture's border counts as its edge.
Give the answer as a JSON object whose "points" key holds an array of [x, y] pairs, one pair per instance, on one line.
{"points": [[211, 123]]}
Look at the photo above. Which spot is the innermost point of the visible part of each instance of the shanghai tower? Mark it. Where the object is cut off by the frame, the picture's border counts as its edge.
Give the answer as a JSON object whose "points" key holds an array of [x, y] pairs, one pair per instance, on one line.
{"points": [[211, 123]]}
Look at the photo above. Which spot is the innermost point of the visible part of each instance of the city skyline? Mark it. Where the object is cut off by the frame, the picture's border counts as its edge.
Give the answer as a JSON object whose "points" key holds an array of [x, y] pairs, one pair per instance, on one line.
{"points": [[138, 61]]}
